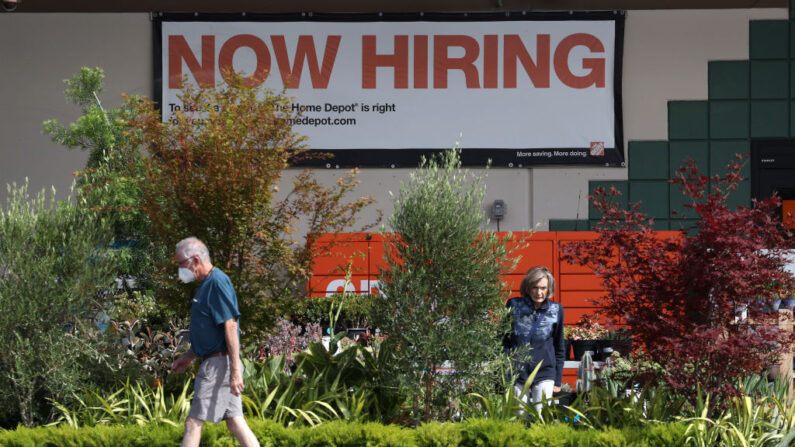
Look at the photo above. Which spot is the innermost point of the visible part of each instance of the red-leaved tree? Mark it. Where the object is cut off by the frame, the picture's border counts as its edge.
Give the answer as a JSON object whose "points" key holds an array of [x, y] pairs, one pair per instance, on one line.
{"points": [[682, 297]]}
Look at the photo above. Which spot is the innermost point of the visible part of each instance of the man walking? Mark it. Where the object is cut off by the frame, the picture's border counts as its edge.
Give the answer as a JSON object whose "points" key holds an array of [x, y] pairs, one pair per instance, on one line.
{"points": [[215, 339]]}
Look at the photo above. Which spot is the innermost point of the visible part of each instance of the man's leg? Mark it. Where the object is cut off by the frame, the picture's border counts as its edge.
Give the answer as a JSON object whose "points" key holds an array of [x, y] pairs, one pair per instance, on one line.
{"points": [[193, 432], [239, 428]]}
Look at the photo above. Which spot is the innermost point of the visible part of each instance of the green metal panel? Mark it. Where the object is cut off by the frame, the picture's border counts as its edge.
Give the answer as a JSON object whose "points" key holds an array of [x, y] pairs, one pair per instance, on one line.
{"points": [[791, 33], [769, 79], [729, 119], [648, 160], [660, 225], [682, 150], [569, 225], [721, 153], [620, 185], [741, 196], [687, 120], [653, 195], [769, 119], [769, 39], [729, 79]]}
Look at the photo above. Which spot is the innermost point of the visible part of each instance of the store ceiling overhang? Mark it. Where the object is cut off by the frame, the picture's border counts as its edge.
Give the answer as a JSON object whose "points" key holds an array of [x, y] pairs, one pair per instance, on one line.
{"points": [[354, 6]]}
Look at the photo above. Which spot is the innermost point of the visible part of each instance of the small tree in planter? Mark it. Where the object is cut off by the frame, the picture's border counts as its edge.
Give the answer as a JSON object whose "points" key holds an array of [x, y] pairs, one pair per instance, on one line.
{"points": [[680, 296], [444, 297]]}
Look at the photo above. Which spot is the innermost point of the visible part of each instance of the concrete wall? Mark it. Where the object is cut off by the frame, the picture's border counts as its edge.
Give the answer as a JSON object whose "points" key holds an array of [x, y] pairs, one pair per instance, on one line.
{"points": [[665, 57], [38, 52]]}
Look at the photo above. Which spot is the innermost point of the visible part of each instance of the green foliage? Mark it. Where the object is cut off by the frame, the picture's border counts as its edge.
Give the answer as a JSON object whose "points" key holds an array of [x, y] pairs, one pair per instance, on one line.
{"points": [[340, 433], [154, 350], [55, 275], [95, 131], [504, 405], [442, 280], [325, 385], [212, 172], [108, 186], [133, 403], [356, 311], [748, 421]]}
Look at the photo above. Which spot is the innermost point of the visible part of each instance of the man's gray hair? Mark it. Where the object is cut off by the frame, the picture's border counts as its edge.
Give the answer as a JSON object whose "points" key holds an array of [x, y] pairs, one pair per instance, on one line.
{"points": [[532, 277], [192, 246]]}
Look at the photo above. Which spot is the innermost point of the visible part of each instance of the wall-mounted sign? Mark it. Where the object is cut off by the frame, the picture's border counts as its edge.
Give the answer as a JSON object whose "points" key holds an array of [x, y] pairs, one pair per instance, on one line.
{"points": [[520, 90]]}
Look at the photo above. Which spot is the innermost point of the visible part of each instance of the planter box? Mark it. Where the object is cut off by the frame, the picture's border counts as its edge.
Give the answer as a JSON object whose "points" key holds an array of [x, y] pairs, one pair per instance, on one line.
{"points": [[580, 346]]}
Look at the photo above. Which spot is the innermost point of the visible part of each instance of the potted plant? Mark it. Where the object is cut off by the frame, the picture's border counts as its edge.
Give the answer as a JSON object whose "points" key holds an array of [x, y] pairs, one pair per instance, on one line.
{"points": [[584, 336], [619, 340]]}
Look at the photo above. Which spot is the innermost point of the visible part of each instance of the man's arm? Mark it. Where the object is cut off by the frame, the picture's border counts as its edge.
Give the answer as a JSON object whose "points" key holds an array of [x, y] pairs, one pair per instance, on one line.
{"points": [[233, 345], [183, 362]]}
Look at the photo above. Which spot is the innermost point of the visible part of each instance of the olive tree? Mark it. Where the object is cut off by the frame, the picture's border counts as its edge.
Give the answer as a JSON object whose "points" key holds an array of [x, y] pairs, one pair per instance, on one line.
{"points": [[444, 297], [55, 273]]}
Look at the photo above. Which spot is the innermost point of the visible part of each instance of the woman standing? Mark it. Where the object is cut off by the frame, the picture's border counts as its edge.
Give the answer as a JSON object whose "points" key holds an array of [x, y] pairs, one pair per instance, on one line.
{"points": [[536, 336]]}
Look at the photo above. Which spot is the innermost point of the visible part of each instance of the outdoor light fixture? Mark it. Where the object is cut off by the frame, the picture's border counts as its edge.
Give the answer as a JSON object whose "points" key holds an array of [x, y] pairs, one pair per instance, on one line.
{"points": [[11, 5], [498, 210]]}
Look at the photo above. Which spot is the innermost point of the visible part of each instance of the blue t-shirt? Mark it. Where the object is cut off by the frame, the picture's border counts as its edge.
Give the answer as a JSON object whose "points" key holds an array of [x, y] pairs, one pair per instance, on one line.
{"points": [[215, 302]]}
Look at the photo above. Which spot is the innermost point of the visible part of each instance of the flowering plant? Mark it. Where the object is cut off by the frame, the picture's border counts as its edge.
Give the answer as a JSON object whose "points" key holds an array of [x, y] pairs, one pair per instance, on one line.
{"points": [[287, 339], [588, 328]]}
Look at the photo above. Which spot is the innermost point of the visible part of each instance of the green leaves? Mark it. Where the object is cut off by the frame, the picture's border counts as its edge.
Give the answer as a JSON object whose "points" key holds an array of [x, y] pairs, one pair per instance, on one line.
{"points": [[445, 297], [212, 172], [55, 271], [132, 403]]}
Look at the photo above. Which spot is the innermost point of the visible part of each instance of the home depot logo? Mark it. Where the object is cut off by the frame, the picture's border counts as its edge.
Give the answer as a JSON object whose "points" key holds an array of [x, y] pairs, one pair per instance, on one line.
{"points": [[597, 148]]}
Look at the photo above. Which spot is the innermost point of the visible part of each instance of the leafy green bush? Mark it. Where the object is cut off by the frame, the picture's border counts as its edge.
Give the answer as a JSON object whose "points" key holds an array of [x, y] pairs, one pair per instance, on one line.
{"points": [[55, 275], [356, 309], [152, 350], [443, 282], [108, 186], [340, 433], [326, 384], [133, 403]]}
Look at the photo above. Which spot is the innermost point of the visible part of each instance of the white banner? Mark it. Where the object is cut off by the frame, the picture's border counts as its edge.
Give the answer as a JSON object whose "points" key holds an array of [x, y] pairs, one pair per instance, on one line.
{"points": [[417, 85]]}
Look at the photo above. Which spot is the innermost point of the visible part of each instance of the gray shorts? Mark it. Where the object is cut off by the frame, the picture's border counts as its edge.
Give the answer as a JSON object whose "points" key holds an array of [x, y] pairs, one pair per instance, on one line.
{"points": [[212, 399]]}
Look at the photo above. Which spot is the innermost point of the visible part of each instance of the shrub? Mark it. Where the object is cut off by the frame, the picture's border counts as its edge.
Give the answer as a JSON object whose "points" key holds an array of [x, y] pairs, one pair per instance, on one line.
{"points": [[108, 186], [355, 313], [212, 172], [681, 297], [442, 285], [287, 339], [152, 350], [132, 403], [55, 274], [469, 433]]}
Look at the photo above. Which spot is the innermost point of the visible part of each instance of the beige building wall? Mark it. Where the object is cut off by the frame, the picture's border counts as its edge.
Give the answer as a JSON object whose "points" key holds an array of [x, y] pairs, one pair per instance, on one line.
{"points": [[665, 57], [38, 52]]}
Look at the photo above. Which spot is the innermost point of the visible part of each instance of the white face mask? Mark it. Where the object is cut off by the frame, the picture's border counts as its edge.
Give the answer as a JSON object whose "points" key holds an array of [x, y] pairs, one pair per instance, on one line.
{"points": [[186, 275]]}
